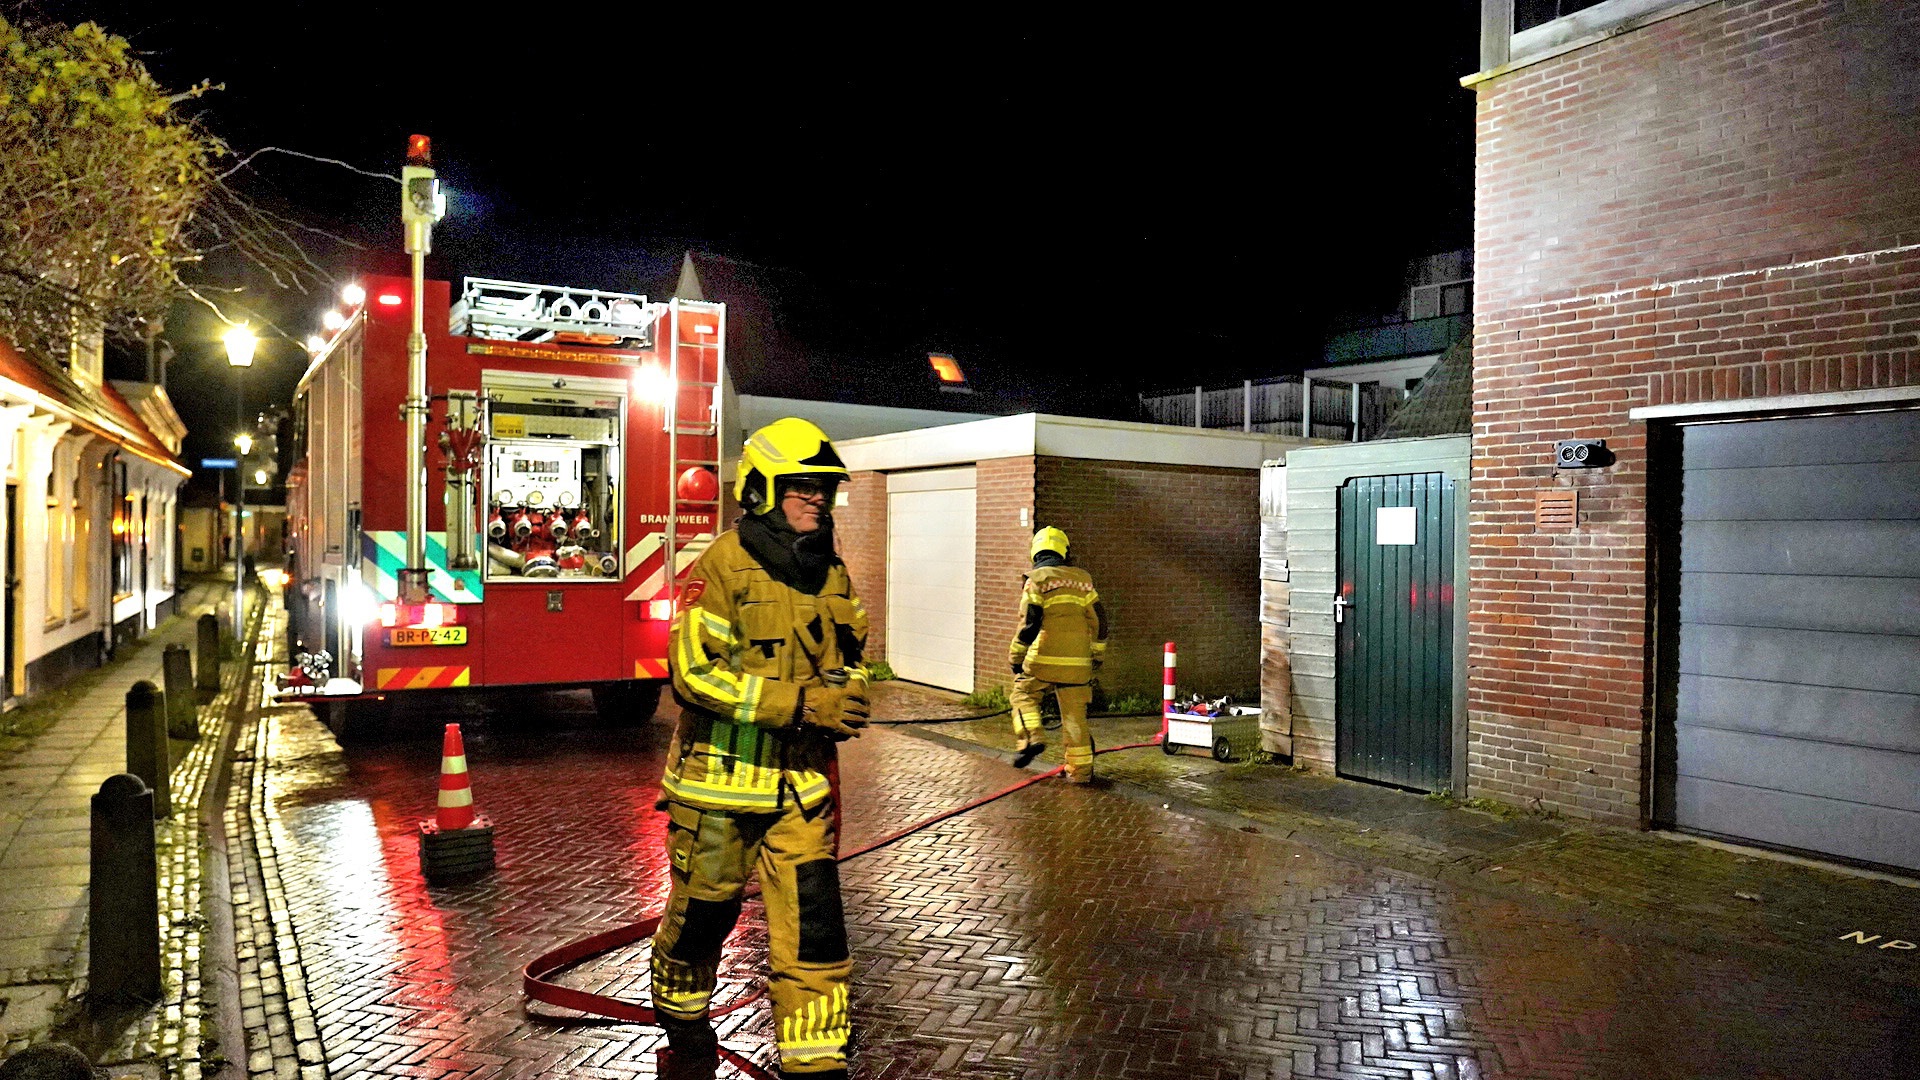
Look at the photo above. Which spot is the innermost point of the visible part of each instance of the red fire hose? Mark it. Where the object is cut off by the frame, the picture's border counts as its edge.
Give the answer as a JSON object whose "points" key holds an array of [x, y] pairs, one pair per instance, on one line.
{"points": [[534, 979]]}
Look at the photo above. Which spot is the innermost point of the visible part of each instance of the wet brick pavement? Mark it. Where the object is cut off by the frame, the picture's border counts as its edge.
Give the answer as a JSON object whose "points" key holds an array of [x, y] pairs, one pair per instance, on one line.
{"points": [[46, 784], [1653, 887], [1059, 932]]}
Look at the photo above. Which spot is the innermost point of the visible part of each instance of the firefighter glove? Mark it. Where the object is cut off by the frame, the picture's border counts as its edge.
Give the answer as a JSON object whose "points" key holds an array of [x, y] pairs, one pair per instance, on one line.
{"points": [[840, 711], [1016, 667]]}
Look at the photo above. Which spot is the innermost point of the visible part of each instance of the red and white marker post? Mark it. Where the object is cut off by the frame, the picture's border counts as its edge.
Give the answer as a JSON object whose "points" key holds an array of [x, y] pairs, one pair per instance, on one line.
{"points": [[1166, 691]]}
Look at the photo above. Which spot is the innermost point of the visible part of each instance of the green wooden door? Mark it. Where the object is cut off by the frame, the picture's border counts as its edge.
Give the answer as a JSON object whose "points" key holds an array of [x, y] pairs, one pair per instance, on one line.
{"points": [[1394, 630]]}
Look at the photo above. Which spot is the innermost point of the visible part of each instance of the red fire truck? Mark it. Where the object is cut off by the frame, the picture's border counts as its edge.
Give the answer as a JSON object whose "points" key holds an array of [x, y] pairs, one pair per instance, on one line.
{"points": [[571, 474]]}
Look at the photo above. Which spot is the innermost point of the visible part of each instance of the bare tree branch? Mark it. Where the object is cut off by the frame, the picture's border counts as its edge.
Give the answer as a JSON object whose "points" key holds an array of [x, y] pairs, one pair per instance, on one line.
{"points": [[109, 197], [248, 160]]}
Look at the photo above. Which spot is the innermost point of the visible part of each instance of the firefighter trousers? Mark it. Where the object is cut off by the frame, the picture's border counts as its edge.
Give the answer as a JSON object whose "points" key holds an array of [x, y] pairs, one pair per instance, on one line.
{"points": [[1027, 694], [712, 852]]}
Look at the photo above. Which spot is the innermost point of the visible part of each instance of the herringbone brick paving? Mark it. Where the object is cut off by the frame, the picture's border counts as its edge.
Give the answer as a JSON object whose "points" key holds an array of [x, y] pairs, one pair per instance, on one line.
{"points": [[1060, 932]]}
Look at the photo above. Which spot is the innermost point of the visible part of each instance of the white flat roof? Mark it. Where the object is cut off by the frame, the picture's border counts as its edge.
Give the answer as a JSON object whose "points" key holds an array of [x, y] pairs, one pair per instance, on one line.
{"points": [[842, 421], [1065, 436]]}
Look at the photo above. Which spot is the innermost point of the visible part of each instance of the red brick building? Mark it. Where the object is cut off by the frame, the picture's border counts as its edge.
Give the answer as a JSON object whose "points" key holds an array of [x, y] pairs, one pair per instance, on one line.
{"points": [[1698, 239], [936, 524]]}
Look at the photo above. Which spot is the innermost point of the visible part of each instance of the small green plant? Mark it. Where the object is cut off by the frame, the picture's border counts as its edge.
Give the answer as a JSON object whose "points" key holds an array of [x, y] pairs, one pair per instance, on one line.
{"points": [[879, 671], [993, 697], [1133, 704], [1503, 810]]}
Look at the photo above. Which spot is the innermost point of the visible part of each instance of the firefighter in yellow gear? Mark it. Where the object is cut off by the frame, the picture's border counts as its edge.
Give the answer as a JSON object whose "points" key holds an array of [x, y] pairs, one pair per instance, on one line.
{"points": [[1060, 643], [766, 657]]}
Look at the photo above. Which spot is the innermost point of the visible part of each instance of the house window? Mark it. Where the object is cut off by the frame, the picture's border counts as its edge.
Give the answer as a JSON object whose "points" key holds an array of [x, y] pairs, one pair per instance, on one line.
{"points": [[56, 540], [1514, 33], [1439, 299], [82, 546], [123, 526], [163, 523], [1528, 14]]}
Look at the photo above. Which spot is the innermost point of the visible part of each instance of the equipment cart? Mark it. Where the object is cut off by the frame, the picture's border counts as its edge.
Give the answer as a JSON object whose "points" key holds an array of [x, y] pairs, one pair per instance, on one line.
{"points": [[1234, 733]]}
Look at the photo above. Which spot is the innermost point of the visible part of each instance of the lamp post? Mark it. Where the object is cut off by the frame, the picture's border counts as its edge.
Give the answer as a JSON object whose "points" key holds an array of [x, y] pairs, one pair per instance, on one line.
{"points": [[240, 342], [421, 205]]}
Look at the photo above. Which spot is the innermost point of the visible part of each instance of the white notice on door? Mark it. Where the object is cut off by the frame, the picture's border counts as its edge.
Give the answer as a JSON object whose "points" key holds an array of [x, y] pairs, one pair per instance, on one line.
{"points": [[1393, 525]]}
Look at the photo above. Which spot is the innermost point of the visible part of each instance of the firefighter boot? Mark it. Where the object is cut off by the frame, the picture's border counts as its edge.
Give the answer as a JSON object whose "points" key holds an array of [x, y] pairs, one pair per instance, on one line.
{"points": [[1025, 749], [1028, 739], [693, 1050], [1073, 723]]}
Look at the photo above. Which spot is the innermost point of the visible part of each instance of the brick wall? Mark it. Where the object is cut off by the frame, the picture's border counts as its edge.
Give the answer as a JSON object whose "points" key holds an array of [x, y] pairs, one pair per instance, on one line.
{"points": [[1719, 206], [1174, 551], [860, 535], [1002, 488]]}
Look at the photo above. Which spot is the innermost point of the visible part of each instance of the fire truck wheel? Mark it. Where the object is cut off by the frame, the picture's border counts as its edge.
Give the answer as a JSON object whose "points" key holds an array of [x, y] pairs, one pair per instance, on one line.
{"points": [[1222, 749], [1167, 747], [626, 703]]}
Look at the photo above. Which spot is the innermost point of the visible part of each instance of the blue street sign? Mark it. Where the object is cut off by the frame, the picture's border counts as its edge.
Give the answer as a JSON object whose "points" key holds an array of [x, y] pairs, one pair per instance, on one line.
{"points": [[219, 463]]}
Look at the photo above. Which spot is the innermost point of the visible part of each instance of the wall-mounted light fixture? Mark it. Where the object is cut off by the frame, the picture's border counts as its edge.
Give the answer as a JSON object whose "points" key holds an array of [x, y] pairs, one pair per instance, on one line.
{"points": [[1582, 454]]}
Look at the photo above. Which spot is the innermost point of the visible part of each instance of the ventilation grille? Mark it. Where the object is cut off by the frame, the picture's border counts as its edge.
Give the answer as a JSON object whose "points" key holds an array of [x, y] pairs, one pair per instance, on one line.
{"points": [[1556, 509]]}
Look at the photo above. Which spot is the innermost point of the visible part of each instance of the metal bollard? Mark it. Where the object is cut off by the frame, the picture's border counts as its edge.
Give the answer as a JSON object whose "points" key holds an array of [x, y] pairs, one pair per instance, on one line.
{"points": [[147, 752], [183, 713], [123, 895], [207, 662]]}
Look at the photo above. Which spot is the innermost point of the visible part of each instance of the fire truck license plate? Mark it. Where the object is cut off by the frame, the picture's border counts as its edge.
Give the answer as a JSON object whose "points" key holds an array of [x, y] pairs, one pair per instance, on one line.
{"points": [[427, 635]]}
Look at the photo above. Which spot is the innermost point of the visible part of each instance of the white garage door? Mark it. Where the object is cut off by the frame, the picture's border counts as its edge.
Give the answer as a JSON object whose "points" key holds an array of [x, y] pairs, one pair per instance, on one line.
{"points": [[930, 577]]}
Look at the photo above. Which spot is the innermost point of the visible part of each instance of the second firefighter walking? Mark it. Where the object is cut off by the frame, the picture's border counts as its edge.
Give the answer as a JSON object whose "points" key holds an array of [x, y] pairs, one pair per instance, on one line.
{"points": [[1060, 643]]}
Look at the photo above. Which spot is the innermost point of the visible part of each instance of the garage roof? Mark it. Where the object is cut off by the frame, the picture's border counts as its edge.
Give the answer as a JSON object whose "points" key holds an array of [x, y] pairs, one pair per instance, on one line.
{"points": [[1066, 436]]}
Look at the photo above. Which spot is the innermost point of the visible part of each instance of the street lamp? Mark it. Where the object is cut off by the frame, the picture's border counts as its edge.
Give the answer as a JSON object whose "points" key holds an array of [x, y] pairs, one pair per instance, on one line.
{"points": [[240, 343]]}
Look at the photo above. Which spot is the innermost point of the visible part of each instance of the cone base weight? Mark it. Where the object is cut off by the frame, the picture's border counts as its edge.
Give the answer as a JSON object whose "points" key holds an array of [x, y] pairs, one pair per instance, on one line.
{"points": [[451, 855]]}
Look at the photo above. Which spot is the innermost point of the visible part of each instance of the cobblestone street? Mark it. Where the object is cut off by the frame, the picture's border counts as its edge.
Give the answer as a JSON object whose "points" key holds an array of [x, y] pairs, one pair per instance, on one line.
{"points": [[1059, 932]]}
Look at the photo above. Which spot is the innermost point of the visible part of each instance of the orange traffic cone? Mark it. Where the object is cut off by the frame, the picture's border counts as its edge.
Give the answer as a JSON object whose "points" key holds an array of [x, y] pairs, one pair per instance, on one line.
{"points": [[456, 791], [456, 844]]}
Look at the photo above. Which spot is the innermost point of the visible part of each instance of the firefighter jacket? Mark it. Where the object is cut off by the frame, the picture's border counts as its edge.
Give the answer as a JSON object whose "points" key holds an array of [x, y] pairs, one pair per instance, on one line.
{"points": [[1063, 628], [743, 647]]}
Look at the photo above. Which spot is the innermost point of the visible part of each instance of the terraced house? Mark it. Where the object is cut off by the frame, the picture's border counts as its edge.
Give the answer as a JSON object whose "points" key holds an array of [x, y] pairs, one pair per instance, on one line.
{"points": [[1698, 242], [93, 478]]}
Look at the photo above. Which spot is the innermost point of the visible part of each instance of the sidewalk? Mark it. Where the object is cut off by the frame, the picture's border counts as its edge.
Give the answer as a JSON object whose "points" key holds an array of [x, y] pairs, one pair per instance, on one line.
{"points": [[45, 820], [1705, 897]]}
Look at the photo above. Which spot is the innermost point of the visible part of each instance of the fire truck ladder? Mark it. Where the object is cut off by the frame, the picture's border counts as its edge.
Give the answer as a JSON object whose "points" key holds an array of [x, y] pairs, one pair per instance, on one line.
{"points": [[518, 311], [696, 365]]}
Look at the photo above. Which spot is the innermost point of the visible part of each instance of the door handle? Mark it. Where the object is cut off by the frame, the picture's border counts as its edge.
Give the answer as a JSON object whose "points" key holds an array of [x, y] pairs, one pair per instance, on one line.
{"points": [[1340, 606]]}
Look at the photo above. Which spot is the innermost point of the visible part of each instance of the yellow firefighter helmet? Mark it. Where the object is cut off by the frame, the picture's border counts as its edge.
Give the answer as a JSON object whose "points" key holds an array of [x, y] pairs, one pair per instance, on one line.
{"points": [[786, 448], [1048, 539]]}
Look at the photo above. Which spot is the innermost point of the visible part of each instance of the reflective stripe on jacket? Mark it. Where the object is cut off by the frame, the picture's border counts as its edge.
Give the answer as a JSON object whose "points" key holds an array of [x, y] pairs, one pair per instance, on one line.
{"points": [[1063, 627], [742, 648]]}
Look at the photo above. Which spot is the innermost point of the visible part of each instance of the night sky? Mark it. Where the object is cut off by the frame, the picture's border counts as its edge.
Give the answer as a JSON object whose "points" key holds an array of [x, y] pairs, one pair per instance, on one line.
{"points": [[1124, 202]]}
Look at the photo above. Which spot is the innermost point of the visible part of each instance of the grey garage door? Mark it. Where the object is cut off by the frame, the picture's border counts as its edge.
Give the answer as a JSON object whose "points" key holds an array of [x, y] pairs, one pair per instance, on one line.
{"points": [[1798, 714]]}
